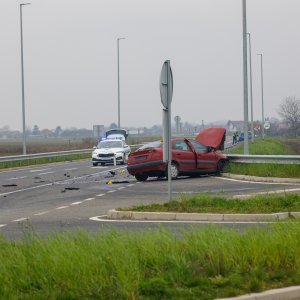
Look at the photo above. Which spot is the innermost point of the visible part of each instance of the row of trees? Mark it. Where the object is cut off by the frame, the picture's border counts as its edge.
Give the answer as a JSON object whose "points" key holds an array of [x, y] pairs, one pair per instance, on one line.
{"points": [[289, 110]]}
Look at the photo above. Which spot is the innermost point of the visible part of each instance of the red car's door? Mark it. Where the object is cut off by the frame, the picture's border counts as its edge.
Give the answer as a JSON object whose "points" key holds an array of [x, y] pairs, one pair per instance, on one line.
{"points": [[183, 155], [206, 160]]}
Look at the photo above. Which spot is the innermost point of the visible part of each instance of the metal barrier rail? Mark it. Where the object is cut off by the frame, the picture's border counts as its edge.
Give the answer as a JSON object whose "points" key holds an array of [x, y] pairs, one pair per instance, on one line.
{"points": [[42, 155], [278, 159], [48, 154]]}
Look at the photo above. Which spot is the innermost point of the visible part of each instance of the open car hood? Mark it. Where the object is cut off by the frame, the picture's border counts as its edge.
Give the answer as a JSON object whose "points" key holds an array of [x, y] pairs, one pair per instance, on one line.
{"points": [[214, 137]]}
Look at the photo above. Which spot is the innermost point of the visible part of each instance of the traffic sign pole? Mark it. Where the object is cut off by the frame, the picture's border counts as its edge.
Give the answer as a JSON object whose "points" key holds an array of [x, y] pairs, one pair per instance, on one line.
{"points": [[166, 93]]}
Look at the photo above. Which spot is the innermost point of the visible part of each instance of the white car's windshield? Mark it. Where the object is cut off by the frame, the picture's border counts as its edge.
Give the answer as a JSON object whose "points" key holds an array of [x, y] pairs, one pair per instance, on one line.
{"points": [[109, 144]]}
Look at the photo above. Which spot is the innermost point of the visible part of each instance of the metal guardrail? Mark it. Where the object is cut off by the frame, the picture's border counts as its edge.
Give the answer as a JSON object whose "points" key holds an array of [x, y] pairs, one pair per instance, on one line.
{"points": [[48, 154], [241, 158], [276, 159], [43, 155]]}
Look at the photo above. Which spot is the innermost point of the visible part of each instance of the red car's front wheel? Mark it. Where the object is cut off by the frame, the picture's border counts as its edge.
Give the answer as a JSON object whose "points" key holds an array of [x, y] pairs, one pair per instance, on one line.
{"points": [[141, 177], [174, 170]]}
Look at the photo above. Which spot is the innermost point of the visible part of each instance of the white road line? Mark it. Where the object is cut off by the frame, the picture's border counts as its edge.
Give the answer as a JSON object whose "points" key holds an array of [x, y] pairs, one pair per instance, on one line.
{"points": [[121, 188], [111, 191], [41, 213], [27, 189], [62, 207], [98, 167], [100, 195], [89, 199], [76, 203], [46, 173], [254, 182], [15, 178], [49, 184], [104, 219], [19, 220], [39, 170], [71, 169], [2, 225], [130, 185], [266, 193]]}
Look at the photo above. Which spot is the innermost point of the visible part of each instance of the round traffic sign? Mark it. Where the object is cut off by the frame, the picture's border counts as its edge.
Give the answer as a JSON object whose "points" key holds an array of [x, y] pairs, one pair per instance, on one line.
{"points": [[166, 84]]}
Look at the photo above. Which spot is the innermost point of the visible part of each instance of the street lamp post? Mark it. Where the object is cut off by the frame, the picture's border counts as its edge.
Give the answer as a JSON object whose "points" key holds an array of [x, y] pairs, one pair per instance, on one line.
{"points": [[118, 42], [251, 94], [245, 73], [22, 75], [262, 96]]}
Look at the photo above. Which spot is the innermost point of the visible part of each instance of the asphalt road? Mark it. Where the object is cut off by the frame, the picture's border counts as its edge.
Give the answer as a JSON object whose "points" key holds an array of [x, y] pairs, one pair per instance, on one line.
{"points": [[68, 196]]}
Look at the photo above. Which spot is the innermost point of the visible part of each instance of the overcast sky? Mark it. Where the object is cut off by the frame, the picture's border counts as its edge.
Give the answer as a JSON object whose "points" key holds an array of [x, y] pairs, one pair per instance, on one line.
{"points": [[70, 56]]}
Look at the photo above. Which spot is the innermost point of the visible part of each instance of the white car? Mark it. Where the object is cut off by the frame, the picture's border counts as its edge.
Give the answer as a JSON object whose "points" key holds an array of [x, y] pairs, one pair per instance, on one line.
{"points": [[110, 149]]}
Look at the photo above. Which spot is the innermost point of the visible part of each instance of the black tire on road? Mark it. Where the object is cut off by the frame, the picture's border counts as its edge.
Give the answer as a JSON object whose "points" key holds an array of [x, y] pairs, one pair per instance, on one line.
{"points": [[174, 170], [102, 164], [141, 177], [220, 166], [95, 164]]}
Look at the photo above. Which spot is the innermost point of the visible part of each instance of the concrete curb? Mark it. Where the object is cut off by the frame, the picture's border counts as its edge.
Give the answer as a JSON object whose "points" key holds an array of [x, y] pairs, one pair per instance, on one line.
{"points": [[173, 216], [289, 293], [261, 179]]}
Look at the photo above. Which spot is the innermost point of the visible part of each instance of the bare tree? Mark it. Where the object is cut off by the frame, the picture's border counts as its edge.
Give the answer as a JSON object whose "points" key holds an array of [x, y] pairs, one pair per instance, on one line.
{"points": [[289, 110]]}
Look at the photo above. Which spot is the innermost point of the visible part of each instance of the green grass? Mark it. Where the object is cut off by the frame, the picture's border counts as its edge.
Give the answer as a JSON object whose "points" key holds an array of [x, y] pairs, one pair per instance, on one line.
{"points": [[268, 146], [44, 145], [264, 170], [218, 204], [38, 161], [205, 263]]}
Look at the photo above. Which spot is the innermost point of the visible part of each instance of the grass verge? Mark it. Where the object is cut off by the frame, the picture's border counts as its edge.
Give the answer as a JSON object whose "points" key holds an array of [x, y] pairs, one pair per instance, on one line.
{"points": [[268, 146], [217, 204], [206, 263], [264, 170], [46, 160]]}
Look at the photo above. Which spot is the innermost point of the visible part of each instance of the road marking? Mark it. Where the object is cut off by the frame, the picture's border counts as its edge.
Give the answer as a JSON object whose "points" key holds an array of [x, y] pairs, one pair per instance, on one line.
{"points": [[49, 184], [130, 185], [71, 169], [89, 199], [98, 167], [41, 213], [104, 219], [19, 220], [39, 170], [2, 225], [76, 203], [111, 191], [15, 178], [62, 207], [46, 173], [121, 188], [100, 195], [27, 189], [267, 193], [258, 182]]}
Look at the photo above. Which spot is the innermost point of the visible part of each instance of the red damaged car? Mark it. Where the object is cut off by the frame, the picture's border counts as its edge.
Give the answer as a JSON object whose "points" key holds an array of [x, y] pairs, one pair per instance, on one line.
{"points": [[190, 157]]}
